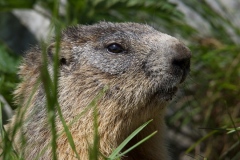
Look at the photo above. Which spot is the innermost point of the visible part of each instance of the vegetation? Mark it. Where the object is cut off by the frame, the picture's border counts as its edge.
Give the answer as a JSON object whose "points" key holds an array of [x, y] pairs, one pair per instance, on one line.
{"points": [[209, 106]]}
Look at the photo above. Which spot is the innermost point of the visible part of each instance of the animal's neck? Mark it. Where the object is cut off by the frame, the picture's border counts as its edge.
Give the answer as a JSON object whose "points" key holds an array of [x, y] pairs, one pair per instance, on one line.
{"points": [[115, 127]]}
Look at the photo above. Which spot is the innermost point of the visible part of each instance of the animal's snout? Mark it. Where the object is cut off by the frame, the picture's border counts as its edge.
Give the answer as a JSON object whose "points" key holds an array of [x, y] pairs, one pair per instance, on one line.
{"points": [[180, 60], [172, 59]]}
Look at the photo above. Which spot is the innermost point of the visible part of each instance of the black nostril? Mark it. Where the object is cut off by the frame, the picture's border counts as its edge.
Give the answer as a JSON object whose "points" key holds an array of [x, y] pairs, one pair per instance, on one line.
{"points": [[63, 61], [181, 57], [182, 63]]}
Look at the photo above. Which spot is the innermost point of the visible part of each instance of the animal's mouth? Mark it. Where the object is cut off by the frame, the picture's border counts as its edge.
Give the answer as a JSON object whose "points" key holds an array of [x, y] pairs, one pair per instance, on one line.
{"points": [[168, 88], [166, 94]]}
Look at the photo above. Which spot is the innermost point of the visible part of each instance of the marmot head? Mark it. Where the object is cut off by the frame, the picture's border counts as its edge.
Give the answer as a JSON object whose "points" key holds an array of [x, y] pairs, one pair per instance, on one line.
{"points": [[139, 64], [141, 67]]}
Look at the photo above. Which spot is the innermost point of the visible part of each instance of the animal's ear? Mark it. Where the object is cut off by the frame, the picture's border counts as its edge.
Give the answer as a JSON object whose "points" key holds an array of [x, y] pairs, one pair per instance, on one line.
{"points": [[64, 53]]}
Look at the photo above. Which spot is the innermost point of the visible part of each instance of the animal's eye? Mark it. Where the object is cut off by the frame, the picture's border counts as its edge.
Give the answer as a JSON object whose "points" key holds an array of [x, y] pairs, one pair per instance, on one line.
{"points": [[115, 48]]}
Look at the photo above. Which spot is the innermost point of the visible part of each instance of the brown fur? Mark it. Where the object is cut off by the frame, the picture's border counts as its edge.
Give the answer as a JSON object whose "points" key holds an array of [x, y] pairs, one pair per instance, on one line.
{"points": [[141, 81]]}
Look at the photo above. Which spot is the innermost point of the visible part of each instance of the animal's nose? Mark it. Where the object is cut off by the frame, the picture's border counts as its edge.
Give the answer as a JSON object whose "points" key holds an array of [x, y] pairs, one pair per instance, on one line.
{"points": [[180, 60], [181, 57], [182, 63]]}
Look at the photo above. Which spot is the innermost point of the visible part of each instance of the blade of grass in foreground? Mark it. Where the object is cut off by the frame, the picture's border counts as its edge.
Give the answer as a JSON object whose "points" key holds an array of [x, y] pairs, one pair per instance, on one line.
{"points": [[51, 99], [6, 148], [137, 144], [66, 130], [94, 150], [115, 154], [50, 82], [1, 123]]}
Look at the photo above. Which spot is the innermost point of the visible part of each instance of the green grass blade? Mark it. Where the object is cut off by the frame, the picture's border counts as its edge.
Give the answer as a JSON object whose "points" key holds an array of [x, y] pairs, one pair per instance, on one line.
{"points": [[200, 140], [68, 133], [6, 147], [232, 130], [137, 144], [124, 143], [1, 123], [233, 147], [230, 116], [94, 150]]}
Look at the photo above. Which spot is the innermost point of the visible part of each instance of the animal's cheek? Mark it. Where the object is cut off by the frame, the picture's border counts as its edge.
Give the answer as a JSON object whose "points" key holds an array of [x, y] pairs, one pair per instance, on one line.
{"points": [[112, 64]]}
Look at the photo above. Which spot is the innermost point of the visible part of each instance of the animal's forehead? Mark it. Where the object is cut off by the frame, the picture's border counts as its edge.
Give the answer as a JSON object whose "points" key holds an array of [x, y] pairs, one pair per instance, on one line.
{"points": [[122, 27], [91, 32]]}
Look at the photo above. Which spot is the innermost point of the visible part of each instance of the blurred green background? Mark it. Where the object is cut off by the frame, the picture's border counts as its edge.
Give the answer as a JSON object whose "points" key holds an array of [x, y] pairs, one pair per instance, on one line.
{"points": [[204, 118]]}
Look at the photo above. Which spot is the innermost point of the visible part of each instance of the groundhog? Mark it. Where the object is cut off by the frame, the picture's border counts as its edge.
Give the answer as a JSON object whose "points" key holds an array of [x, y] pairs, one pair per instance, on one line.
{"points": [[142, 69]]}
